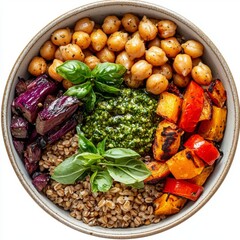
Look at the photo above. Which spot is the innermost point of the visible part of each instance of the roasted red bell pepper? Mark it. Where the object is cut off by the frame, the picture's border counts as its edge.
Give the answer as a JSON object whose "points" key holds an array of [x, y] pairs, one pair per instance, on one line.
{"points": [[183, 188], [203, 149], [192, 107]]}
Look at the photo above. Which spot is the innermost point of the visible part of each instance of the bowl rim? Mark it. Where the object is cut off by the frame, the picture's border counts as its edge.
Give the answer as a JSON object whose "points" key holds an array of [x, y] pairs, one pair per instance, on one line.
{"points": [[7, 139]]}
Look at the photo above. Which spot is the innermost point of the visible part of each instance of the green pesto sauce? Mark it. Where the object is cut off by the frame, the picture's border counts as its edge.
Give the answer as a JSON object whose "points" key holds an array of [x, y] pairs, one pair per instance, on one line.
{"points": [[128, 120]]}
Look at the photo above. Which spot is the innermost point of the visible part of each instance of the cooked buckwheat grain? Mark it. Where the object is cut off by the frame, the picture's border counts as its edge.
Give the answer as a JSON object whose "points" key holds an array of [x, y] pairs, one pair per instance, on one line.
{"points": [[121, 206]]}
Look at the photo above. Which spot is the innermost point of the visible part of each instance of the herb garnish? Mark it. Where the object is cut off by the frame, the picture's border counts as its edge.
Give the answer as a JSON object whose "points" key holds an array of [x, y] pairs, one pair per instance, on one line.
{"points": [[105, 79], [118, 164]]}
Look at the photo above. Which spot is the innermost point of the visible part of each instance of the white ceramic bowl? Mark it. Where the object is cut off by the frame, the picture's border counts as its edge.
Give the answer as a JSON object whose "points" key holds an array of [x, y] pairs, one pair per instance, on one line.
{"points": [[212, 57]]}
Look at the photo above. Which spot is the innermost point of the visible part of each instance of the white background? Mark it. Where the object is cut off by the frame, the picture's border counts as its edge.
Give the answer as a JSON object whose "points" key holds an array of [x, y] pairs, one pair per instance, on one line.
{"points": [[21, 217]]}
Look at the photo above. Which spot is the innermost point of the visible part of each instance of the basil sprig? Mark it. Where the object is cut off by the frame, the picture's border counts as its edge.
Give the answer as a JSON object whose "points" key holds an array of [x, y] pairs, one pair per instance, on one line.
{"points": [[104, 80], [118, 164]]}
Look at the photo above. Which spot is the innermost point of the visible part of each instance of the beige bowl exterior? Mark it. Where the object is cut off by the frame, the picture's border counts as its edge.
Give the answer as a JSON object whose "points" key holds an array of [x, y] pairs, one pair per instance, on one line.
{"points": [[212, 57]]}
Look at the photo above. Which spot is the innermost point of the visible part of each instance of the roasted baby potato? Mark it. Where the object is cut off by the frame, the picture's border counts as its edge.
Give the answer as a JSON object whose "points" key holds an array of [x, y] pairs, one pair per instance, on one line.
{"points": [[167, 140], [159, 171]]}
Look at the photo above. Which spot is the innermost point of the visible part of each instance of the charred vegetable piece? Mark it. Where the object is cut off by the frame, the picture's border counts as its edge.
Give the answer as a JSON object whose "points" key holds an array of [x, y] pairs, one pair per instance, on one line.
{"points": [[192, 107], [183, 188], [33, 153], [29, 103], [64, 128], [30, 167], [58, 111], [206, 113], [40, 181], [168, 204], [217, 93], [185, 164], [159, 170], [19, 146], [19, 127], [169, 106], [203, 149], [213, 129], [202, 177], [167, 140]]}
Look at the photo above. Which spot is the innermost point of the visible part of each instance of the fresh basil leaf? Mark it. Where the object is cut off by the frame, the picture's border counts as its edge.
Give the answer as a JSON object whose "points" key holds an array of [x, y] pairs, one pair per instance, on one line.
{"points": [[120, 154], [87, 159], [106, 88], [96, 167], [101, 146], [128, 172], [101, 181], [79, 91], [90, 101], [90, 156], [69, 170], [74, 71], [84, 175], [115, 82], [108, 71], [84, 144]]}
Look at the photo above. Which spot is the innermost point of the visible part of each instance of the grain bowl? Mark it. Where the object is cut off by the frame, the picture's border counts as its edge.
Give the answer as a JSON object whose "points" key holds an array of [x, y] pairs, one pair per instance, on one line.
{"points": [[120, 208]]}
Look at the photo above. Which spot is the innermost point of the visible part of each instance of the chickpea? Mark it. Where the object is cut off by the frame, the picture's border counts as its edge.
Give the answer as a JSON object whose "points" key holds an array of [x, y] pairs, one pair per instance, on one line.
{"points": [[92, 61], [132, 83], [166, 28], [171, 46], [202, 74], [181, 81], [111, 24], [47, 50], [130, 22], [37, 66], [156, 84], [135, 47], [156, 56], [61, 37], [147, 30], [58, 55], [72, 52], [85, 24], [155, 42], [182, 64], [82, 39], [193, 48], [141, 70], [99, 39], [67, 84], [106, 55], [52, 70], [116, 41], [165, 70], [124, 59]]}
